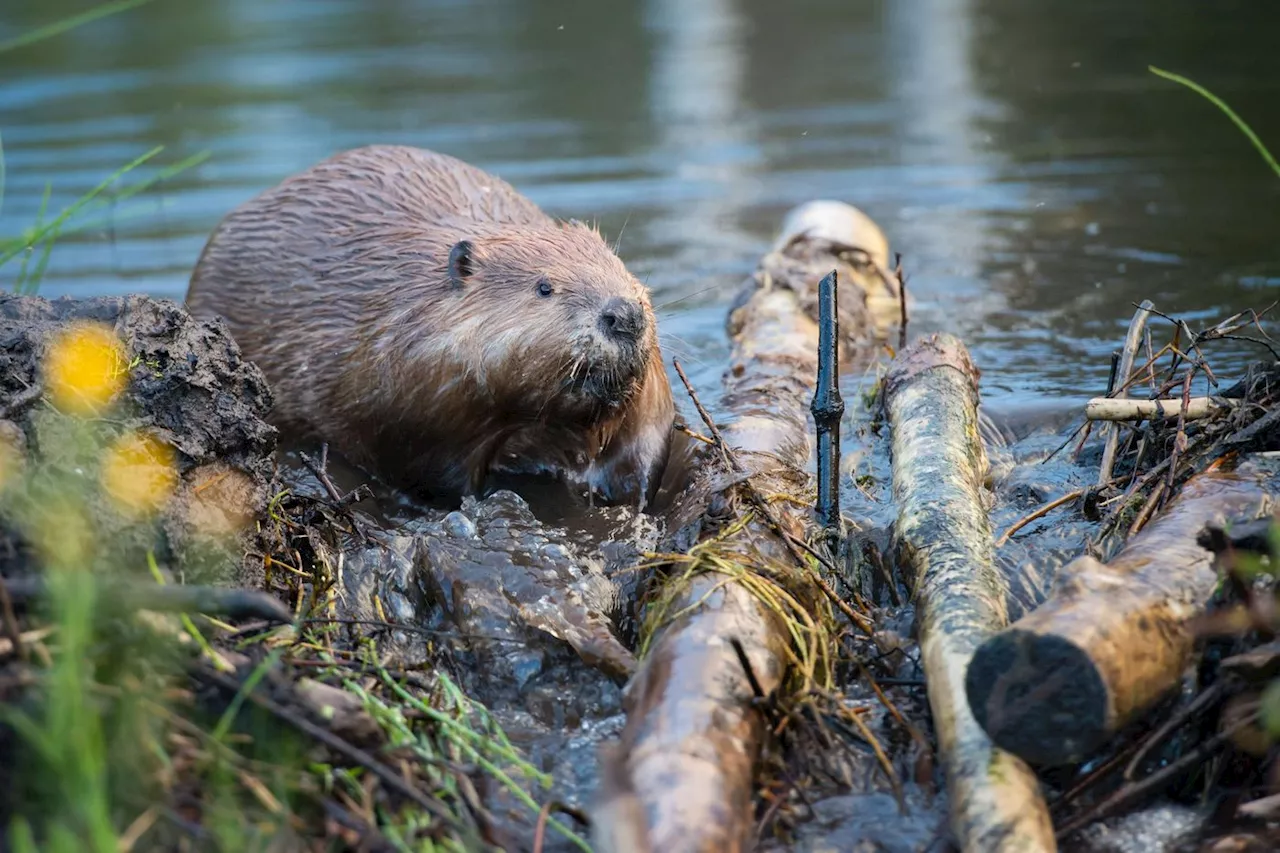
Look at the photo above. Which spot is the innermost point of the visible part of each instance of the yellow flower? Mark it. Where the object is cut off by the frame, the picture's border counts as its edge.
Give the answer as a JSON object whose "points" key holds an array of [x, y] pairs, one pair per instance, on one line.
{"points": [[139, 472], [84, 369]]}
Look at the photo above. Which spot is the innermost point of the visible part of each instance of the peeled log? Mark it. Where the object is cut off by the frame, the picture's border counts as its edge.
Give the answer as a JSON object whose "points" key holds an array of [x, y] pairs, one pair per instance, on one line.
{"points": [[1123, 409], [687, 753], [938, 469], [1114, 638]]}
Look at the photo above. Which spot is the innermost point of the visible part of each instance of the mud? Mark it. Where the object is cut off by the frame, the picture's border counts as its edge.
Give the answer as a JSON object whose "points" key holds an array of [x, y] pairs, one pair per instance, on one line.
{"points": [[186, 385], [533, 619]]}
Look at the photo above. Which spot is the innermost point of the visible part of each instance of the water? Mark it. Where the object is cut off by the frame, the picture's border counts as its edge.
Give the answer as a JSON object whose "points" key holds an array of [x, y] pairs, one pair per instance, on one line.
{"points": [[1036, 177]]}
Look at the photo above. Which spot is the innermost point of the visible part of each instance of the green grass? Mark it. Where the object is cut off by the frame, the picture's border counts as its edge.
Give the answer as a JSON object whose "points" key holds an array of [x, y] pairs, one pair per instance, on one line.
{"points": [[1222, 105], [65, 25]]}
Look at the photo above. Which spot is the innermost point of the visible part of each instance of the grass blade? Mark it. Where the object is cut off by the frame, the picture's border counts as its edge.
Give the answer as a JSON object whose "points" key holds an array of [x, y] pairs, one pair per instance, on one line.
{"points": [[23, 245], [57, 28], [1220, 104], [41, 232], [33, 283]]}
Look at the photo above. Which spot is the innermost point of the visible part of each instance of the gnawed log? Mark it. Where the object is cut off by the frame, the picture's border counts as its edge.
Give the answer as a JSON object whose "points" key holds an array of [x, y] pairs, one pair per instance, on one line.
{"points": [[1113, 638], [693, 732], [938, 470]]}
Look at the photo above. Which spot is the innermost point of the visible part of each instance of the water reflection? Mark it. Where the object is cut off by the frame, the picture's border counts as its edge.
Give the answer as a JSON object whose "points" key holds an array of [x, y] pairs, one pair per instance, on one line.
{"points": [[1037, 178]]}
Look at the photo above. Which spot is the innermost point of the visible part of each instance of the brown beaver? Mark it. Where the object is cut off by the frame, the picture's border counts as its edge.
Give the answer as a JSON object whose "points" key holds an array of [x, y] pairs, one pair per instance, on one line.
{"points": [[435, 327]]}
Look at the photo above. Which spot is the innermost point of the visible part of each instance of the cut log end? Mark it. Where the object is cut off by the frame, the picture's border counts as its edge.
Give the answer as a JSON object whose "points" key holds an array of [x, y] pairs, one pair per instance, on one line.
{"points": [[1038, 696]]}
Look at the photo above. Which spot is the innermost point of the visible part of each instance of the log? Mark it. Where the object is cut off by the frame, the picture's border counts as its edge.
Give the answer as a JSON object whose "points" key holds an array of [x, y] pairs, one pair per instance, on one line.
{"points": [[938, 469], [1113, 638], [1116, 409], [693, 733]]}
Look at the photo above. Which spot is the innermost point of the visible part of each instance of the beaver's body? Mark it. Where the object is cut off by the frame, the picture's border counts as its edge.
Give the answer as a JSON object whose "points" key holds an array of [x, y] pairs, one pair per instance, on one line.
{"points": [[434, 325]]}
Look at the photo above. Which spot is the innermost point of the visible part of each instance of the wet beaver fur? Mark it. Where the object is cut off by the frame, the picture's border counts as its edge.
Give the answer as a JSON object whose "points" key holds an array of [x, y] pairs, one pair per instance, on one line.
{"points": [[436, 327]]}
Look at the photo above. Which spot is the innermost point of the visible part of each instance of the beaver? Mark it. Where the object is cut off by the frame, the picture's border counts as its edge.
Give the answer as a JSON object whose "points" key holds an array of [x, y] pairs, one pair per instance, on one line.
{"points": [[436, 327]]}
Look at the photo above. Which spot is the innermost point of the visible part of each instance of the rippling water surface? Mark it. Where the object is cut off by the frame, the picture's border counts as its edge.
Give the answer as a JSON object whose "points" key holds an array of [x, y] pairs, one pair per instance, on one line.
{"points": [[1036, 177]]}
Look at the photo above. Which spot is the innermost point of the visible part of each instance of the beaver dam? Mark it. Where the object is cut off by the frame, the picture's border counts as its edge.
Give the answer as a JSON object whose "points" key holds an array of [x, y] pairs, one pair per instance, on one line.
{"points": [[863, 615]]}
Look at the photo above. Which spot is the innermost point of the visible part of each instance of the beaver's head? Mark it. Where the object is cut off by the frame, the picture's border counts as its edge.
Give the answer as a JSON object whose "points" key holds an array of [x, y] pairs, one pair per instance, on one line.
{"points": [[556, 325]]}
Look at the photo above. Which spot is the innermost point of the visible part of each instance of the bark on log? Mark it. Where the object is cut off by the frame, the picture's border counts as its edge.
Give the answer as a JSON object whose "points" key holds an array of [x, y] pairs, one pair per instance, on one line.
{"points": [[1112, 639], [692, 736], [938, 469]]}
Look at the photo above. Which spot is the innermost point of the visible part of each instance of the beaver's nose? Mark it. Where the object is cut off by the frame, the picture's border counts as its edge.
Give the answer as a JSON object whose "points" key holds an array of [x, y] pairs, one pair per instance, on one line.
{"points": [[622, 319]]}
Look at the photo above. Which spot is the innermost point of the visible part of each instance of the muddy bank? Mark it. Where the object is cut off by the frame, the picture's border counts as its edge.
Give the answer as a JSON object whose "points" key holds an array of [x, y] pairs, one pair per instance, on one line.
{"points": [[180, 383]]}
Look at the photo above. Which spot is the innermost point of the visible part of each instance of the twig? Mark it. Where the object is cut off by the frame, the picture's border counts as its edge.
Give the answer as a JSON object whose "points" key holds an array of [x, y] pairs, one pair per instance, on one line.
{"points": [[206, 600], [1247, 434], [1144, 514], [1131, 342], [738, 650], [1039, 513], [411, 629], [11, 620], [902, 301], [697, 436], [906, 724], [1180, 439], [762, 505], [27, 637], [21, 400], [371, 839], [540, 831], [878, 749], [1084, 426], [1151, 372], [353, 753], [317, 468], [828, 406], [341, 501], [1103, 770], [1201, 703], [1153, 782]]}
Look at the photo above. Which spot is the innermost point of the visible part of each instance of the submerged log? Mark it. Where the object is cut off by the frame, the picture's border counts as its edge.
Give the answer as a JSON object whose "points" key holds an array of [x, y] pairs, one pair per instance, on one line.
{"points": [[938, 469], [1114, 638], [693, 730]]}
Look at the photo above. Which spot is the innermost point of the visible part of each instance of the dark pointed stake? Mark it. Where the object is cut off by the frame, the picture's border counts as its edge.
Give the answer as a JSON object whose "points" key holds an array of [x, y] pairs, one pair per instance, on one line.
{"points": [[828, 406]]}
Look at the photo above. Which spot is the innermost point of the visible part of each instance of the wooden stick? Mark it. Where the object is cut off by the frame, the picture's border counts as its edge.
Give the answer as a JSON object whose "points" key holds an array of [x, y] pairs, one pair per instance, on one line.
{"points": [[1114, 409], [1131, 343], [938, 469], [1114, 638], [1039, 513], [828, 407], [207, 600]]}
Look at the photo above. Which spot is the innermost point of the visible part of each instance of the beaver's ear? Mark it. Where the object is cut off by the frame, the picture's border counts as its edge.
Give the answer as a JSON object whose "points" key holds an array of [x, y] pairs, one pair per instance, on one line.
{"points": [[461, 262]]}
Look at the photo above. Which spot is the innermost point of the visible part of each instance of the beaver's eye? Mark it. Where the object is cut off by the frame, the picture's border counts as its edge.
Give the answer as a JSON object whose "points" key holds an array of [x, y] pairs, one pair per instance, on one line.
{"points": [[544, 288]]}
